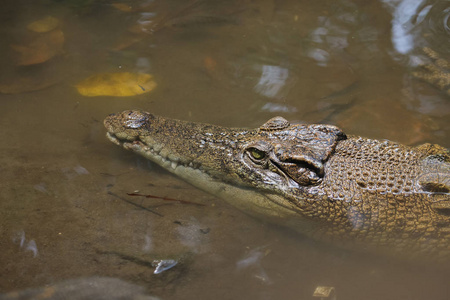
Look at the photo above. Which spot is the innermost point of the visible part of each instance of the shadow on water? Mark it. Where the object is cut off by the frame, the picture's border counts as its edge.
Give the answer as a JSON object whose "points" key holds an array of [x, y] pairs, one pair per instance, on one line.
{"points": [[374, 68]]}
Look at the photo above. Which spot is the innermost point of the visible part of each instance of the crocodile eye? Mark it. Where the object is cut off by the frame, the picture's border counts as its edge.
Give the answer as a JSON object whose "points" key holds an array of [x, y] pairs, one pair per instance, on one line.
{"points": [[257, 154]]}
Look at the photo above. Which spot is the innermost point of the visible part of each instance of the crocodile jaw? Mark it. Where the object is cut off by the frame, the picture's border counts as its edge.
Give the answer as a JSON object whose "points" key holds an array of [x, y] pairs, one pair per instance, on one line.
{"points": [[247, 199]]}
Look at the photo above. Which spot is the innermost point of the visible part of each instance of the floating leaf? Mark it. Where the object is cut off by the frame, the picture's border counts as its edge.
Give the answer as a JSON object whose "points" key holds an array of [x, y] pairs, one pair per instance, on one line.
{"points": [[116, 84], [44, 25], [40, 49]]}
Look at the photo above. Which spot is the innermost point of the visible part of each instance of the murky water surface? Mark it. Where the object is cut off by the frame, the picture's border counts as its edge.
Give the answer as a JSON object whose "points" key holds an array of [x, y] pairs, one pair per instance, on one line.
{"points": [[64, 210]]}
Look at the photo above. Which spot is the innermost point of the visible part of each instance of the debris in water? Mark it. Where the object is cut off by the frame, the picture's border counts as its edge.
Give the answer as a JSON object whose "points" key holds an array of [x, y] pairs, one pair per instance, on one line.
{"points": [[325, 292], [163, 265], [166, 199]]}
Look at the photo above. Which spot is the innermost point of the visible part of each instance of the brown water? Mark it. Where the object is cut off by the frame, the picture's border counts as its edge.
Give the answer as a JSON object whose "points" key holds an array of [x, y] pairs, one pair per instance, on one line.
{"points": [[64, 208]]}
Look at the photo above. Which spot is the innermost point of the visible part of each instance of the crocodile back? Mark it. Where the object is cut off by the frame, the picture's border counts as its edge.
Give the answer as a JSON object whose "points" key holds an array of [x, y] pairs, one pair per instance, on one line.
{"points": [[390, 196]]}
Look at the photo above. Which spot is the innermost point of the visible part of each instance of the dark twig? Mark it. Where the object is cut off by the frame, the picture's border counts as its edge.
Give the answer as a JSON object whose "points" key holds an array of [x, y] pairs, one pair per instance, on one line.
{"points": [[137, 205], [166, 199]]}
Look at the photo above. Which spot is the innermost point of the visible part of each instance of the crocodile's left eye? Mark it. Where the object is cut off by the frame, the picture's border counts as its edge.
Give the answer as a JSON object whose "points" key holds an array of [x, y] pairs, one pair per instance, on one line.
{"points": [[256, 153]]}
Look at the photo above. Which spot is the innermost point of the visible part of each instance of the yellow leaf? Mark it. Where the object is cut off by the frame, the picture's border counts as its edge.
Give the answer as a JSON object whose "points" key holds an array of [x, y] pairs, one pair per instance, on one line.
{"points": [[116, 84], [44, 25]]}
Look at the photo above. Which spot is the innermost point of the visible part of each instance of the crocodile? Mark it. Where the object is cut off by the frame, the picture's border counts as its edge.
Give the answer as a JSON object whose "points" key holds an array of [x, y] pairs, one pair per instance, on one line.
{"points": [[357, 193]]}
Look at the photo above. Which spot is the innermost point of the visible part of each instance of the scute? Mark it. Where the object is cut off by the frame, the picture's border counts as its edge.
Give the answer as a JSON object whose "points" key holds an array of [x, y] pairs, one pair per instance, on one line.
{"points": [[275, 123]]}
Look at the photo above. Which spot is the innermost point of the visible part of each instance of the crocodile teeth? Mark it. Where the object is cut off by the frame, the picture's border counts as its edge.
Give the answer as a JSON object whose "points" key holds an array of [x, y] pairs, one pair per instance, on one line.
{"points": [[157, 148], [173, 165], [173, 157]]}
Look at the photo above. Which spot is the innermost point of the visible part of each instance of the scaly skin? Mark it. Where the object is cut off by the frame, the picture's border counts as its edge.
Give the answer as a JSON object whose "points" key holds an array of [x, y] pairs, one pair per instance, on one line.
{"points": [[372, 195]]}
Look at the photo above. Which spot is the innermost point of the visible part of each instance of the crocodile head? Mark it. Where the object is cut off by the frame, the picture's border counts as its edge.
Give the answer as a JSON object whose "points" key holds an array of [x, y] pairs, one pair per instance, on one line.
{"points": [[256, 170]]}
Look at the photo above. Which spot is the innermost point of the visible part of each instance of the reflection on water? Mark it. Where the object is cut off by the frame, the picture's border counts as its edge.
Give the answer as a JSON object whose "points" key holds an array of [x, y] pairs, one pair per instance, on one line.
{"points": [[406, 15], [252, 261], [101, 288], [24, 244], [361, 65], [272, 80], [278, 108], [163, 265], [418, 24], [419, 35]]}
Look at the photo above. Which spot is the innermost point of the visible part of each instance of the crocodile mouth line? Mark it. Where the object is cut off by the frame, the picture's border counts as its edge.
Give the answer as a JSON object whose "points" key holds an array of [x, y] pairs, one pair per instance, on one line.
{"points": [[168, 161]]}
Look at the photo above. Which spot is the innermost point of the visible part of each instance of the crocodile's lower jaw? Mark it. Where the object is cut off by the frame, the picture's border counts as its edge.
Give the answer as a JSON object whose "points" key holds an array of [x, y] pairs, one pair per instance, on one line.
{"points": [[265, 206]]}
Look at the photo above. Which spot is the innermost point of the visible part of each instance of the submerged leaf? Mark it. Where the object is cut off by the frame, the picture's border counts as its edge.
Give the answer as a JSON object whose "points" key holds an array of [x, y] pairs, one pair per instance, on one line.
{"points": [[128, 40], [122, 7], [116, 84], [33, 78], [44, 25], [26, 84], [42, 48], [136, 7]]}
